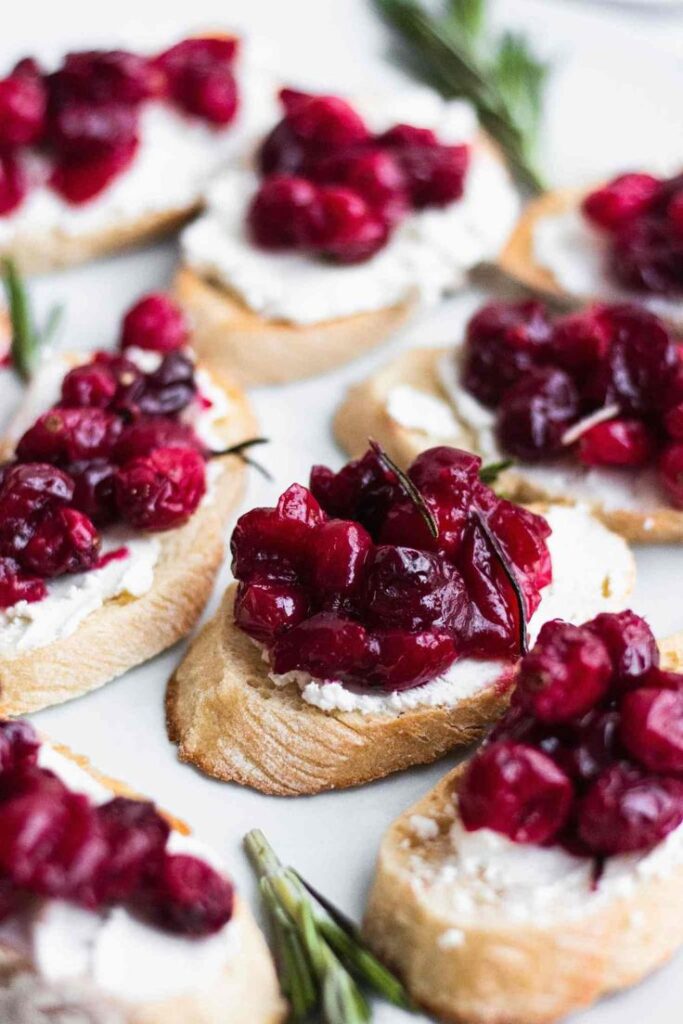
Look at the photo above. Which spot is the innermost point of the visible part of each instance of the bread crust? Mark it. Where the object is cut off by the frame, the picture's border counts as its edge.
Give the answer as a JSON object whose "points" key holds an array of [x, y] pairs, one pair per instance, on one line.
{"points": [[246, 990], [125, 632], [511, 972], [517, 256], [233, 723], [363, 414]]}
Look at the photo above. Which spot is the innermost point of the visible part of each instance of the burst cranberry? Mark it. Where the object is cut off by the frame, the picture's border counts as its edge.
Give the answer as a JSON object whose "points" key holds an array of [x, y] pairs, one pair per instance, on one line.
{"points": [[435, 175], [13, 183], [69, 435], [89, 385], [413, 590], [661, 679], [566, 674], [19, 745], [362, 490], [673, 421], [522, 537], [625, 811], [514, 789], [493, 625], [674, 213], [208, 92], [197, 51], [79, 181], [325, 122], [264, 610], [273, 543], [298, 504], [671, 473], [594, 746], [349, 231], [155, 322], [81, 130], [374, 174], [283, 213], [160, 491], [15, 586], [642, 355], [326, 645], [408, 659], [620, 200], [143, 436], [535, 413], [190, 898], [441, 471], [30, 487], [100, 76], [402, 135], [339, 553], [581, 340], [652, 728], [22, 110], [616, 443], [646, 256], [135, 835], [630, 642], [94, 490], [281, 152], [169, 389], [65, 541]]}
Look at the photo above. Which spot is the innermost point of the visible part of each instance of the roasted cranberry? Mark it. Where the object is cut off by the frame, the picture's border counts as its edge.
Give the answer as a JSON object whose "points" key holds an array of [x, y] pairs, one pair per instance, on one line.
{"points": [[349, 230], [69, 435], [514, 789], [169, 389], [626, 810], [566, 674], [326, 645], [374, 174], [339, 553], [298, 504], [13, 183], [22, 110], [284, 213], [30, 487], [16, 586], [442, 470], [594, 745], [209, 93], [144, 435], [535, 413], [19, 745], [264, 610], [135, 835], [661, 679], [155, 322], [581, 340], [79, 181], [403, 135], [647, 256], [620, 200], [89, 385], [630, 642], [673, 421], [94, 490], [362, 490], [522, 537], [198, 51], [130, 381], [273, 543], [188, 897], [671, 473], [435, 174], [616, 443], [65, 541], [413, 590], [160, 491], [641, 356], [493, 625], [325, 122], [281, 152], [81, 130], [652, 728], [408, 659], [100, 76], [674, 213], [501, 344]]}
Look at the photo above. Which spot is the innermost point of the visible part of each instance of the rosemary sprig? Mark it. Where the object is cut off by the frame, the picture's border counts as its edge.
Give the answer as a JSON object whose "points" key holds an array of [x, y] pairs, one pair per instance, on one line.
{"points": [[502, 78], [321, 959], [408, 488], [27, 341], [489, 473], [238, 450]]}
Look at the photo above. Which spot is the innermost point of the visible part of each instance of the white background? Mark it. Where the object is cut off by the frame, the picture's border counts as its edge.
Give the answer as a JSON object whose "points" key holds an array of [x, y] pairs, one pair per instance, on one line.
{"points": [[615, 101]]}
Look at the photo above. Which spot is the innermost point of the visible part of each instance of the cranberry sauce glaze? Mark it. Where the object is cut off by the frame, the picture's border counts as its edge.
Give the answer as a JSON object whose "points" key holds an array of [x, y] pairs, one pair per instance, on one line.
{"points": [[547, 380], [77, 128], [113, 449], [331, 187], [58, 845], [346, 582], [642, 219], [590, 752]]}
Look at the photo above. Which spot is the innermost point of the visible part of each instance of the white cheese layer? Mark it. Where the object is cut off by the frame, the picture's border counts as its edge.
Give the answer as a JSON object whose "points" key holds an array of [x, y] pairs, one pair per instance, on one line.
{"points": [[428, 254], [592, 572], [121, 956]]}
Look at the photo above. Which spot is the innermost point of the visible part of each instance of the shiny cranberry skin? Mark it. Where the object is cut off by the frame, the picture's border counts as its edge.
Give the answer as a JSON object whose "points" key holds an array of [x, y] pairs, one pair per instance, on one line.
{"points": [[188, 897], [101, 76], [169, 389], [325, 122], [135, 835], [593, 747], [674, 213], [630, 642], [673, 421], [435, 175], [144, 435], [209, 93], [326, 645], [405, 660], [565, 675], [298, 504], [626, 810], [362, 490], [339, 554], [522, 535], [671, 473], [402, 135], [373, 174], [283, 213], [642, 355], [616, 443], [412, 590], [29, 487], [661, 679], [273, 543], [19, 745], [349, 230], [264, 610], [502, 342], [81, 130], [69, 435], [162, 490], [647, 256], [581, 340], [65, 541], [89, 385], [535, 413], [22, 110], [516, 790], [15, 586], [620, 200], [652, 728], [13, 184], [79, 181], [94, 490], [155, 322], [442, 470], [198, 51], [281, 152], [493, 624]]}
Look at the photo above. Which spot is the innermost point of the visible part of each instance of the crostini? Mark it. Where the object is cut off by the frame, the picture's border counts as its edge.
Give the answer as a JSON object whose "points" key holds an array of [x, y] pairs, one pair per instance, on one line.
{"points": [[113, 147], [341, 224], [620, 242], [377, 626], [114, 494], [547, 871], [589, 408], [117, 915]]}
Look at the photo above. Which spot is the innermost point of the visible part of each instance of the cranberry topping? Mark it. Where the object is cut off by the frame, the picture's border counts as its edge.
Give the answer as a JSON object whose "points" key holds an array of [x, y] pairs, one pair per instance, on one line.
{"points": [[23, 104], [161, 490], [200, 79], [65, 435], [592, 702], [188, 897], [616, 443], [135, 835], [19, 745], [156, 322], [354, 587], [13, 183]]}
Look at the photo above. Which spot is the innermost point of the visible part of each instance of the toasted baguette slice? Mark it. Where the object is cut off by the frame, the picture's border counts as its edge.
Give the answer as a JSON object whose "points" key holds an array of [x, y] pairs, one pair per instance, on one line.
{"points": [[245, 991], [478, 967], [517, 256], [127, 631], [230, 338], [364, 413]]}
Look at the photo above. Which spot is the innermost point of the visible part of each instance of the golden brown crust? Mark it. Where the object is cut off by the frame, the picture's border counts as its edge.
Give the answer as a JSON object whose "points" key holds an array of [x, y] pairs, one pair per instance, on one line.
{"points": [[516, 973], [124, 632], [230, 721], [364, 413]]}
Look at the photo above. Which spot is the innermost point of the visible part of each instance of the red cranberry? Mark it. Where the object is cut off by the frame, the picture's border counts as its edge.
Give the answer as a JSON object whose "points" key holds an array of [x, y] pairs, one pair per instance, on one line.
{"points": [[264, 610], [130, 381], [514, 789], [442, 470], [594, 746], [566, 674], [298, 504], [362, 490], [326, 645], [413, 590], [281, 152], [339, 552], [435, 175], [349, 230], [13, 184], [160, 491], [30, 487], [581, 340], [15, 586], [641, 356], [22, 110], [493, 624], [403, 135], [283, 213], [671, 473], [81, 130], [167, 390], [647, 256], [535, 413], [652, 728], [135, 835], [65, 541], [198, 51], [630, 642], [673, 421], [522, 537], [89, 385], [209, 92], [145, 435], [190, 898], [273, 543], [155, 322], [69, 435], [103, 76], [620, 200], [374, 174], [626, 811], [674, 213], [79, 181], [661, 679], [19, 745], [618, 442], [94, 490], [325, 122], [405, 660]]}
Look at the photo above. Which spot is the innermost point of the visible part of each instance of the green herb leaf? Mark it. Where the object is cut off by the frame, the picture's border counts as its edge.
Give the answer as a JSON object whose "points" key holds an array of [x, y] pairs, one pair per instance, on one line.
{"points": [[408, 488], [25, 343], [467, 17], [489, 474]]}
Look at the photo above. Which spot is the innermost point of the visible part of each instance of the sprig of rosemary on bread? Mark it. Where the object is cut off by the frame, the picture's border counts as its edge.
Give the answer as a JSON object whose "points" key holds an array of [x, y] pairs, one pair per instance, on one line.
{"points": [[28, 341], [455, 53], [322, 962]]}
